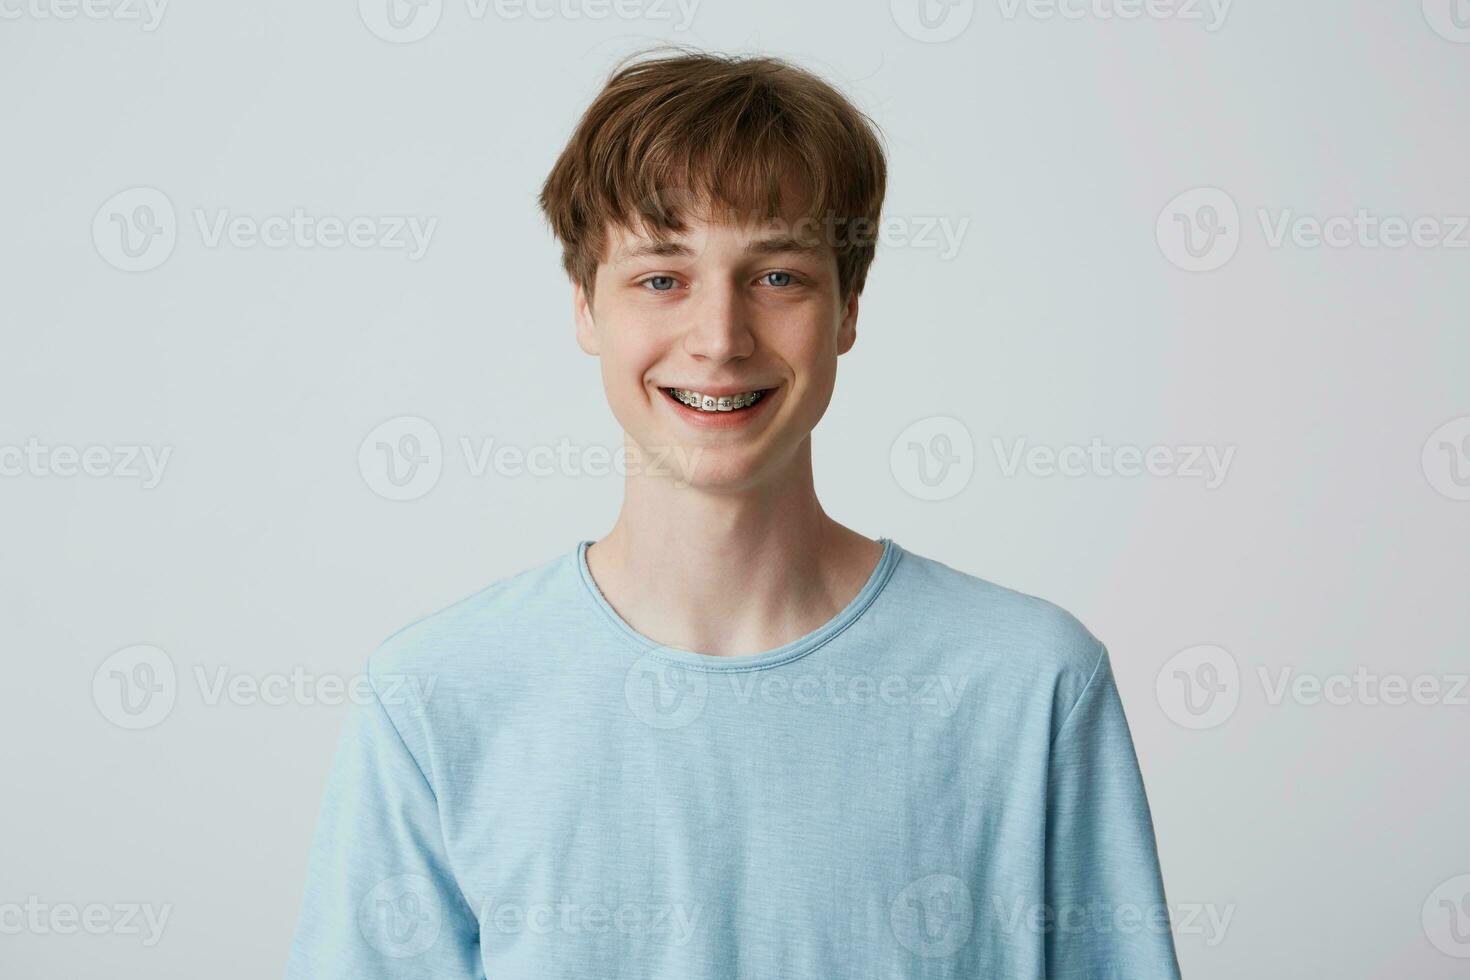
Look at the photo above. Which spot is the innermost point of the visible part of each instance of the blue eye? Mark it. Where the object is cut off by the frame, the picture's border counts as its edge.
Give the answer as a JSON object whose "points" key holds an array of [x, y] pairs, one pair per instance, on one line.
{"points": [[652, 282], [789, 279]]}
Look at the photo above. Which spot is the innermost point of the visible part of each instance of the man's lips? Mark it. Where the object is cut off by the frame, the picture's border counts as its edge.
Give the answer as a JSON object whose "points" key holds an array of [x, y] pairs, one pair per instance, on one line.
{"points": [[719, 391], [719, 411]]}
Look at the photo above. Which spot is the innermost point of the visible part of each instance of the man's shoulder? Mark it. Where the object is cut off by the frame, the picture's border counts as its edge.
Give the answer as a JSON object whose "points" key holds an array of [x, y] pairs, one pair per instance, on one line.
{"points": [[470, 631], [980, 615]]}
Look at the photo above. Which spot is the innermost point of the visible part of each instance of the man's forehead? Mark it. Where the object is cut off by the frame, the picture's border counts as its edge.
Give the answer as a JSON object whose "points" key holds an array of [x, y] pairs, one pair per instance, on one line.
{"points": [[762, 236]]}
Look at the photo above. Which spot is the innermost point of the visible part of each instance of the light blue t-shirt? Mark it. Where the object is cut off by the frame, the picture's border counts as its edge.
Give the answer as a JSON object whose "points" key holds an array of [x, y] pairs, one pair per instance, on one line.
{"points": [[938, 783]]}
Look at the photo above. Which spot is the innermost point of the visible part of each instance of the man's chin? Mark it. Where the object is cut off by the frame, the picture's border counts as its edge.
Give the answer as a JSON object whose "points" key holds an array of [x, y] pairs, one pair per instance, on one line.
{"points": [[698, 466]]}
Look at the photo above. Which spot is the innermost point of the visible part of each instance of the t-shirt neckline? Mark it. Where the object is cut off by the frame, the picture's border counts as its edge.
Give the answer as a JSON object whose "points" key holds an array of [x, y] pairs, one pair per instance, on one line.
{"points": [[799, 647]]}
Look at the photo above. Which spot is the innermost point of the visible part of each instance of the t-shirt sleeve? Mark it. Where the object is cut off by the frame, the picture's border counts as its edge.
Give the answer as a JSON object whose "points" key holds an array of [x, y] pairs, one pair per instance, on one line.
{"points": [[380, 900], [1104, 889]]}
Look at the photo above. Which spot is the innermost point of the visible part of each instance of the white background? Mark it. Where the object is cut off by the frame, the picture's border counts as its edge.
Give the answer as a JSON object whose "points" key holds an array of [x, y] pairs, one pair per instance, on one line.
{"points": [[1335, 543]]}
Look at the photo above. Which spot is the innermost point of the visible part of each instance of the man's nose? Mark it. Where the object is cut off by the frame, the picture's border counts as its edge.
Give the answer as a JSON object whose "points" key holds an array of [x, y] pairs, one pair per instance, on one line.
{"points": [[719, 326]]}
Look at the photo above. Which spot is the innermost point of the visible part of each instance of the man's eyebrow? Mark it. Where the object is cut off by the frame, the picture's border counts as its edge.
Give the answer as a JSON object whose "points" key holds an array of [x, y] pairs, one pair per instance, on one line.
{"points": [[664, 248], [774, 246], [670, 248]]}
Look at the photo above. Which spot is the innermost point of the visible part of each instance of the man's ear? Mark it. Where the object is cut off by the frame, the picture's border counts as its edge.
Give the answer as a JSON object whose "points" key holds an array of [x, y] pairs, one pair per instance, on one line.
{"points": [[847, 330], [586, 328]]}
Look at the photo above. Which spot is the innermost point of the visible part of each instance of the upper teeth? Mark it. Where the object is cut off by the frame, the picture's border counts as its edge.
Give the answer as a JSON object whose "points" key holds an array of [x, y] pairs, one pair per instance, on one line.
{"points": [[712, 403]]}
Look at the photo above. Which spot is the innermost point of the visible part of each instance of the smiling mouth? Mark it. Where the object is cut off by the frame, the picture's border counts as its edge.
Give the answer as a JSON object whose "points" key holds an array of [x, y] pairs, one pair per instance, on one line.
{"points": [[701, 402]]}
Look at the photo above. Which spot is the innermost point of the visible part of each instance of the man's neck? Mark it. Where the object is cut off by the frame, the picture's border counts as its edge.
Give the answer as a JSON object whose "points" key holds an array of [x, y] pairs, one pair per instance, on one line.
{"points": [[729, 572]]}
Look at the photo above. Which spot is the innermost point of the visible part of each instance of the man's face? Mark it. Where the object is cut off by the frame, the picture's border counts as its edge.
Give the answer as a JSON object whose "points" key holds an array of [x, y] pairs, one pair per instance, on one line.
{"points": [[723, 310]]}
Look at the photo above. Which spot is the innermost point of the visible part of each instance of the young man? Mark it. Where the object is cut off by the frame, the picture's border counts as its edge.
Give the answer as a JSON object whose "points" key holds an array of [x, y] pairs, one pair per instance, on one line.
{"points": [[732, 738]]}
